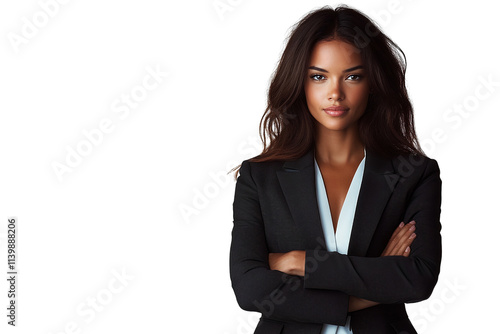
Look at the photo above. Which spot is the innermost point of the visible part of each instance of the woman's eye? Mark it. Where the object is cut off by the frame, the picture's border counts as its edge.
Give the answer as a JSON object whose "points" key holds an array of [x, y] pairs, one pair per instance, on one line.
{"points": [[314, 76], [356, 77]]}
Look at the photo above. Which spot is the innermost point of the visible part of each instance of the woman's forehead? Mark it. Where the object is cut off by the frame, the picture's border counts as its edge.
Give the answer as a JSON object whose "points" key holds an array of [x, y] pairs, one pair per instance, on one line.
{"points": [[335, 54]]}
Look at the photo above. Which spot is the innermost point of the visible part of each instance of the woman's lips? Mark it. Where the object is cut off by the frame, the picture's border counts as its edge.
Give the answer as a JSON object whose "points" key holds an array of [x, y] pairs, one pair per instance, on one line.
{"points": [[336, 111]]}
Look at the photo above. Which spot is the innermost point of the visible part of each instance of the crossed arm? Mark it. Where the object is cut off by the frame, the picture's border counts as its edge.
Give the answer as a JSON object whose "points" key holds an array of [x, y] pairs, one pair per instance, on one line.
{"points": [[293, 262], [271, 283]]}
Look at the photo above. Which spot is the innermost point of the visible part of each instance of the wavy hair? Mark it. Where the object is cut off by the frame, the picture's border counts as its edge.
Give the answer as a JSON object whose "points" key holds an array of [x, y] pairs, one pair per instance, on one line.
{"points": [[386, 126]]}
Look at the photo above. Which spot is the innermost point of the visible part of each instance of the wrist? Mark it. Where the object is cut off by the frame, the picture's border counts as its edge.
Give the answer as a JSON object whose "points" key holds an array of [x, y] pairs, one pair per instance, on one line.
{"points": [[298, 262]]}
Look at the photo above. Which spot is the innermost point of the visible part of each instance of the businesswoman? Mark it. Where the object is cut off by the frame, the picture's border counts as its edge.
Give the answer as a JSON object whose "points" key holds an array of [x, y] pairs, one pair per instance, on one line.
{"points": [[326, 217]]}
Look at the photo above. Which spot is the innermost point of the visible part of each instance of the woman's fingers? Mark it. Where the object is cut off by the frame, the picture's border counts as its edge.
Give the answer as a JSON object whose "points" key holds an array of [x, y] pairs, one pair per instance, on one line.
{"points": [[406, 238], [390, 245], [404, 248], [404, 241], [400, 240], [407, 252]]}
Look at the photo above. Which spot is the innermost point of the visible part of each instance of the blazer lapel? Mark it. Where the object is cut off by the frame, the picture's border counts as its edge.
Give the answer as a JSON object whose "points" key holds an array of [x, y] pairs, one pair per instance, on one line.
{"points": [[377, 185], [299, 188], [297, 181]]}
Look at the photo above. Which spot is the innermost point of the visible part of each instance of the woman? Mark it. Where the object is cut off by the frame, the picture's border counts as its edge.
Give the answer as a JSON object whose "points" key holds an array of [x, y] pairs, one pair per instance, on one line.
{"points": [[324, 219]]}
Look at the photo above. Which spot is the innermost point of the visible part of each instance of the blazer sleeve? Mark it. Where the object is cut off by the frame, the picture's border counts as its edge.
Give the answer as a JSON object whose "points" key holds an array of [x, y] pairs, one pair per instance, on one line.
{"points": [[257, 288], [391, 279]]}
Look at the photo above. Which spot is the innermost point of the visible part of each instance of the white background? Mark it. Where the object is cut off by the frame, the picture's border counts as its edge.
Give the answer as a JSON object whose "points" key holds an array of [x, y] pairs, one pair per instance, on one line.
{"points": [[120, 207]]}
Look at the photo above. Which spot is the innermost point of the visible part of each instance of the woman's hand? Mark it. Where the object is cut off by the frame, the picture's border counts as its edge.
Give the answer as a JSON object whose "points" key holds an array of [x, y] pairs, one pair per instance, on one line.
{"points": [[398, 245], [401, 239], [292, 263]]}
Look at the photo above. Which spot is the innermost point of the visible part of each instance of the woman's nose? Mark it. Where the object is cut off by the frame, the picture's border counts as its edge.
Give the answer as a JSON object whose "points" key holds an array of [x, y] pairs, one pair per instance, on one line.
{"points": [[335, 91]]}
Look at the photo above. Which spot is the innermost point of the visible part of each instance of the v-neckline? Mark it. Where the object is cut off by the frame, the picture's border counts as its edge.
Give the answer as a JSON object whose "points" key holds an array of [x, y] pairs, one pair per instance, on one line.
{"points": [[344, 223]]}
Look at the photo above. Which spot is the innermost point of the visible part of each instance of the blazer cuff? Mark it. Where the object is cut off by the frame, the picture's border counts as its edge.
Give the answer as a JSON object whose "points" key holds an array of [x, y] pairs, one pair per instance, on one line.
{"points": [[317, 276], [318, 271]]}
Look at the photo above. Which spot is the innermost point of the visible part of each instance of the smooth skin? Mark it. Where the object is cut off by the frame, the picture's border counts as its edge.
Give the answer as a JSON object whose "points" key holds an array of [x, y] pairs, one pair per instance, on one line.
{"points": [[336, 78]]}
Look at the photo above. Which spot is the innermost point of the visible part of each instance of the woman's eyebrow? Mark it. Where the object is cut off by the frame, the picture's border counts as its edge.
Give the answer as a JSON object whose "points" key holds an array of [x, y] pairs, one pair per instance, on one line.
{"points": [[346, 70]]}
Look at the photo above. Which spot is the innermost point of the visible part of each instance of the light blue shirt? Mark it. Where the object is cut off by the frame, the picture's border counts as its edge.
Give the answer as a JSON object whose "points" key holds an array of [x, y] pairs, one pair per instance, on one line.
{"points": [[338, 241]]}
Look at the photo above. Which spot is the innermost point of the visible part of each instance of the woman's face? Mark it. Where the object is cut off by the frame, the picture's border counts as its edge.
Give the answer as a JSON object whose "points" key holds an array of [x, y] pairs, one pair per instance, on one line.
{"points": [[336, 78]]}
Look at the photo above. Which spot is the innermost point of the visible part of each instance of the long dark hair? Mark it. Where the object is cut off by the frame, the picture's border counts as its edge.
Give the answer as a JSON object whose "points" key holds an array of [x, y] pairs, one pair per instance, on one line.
{"points": [[386, 126]]}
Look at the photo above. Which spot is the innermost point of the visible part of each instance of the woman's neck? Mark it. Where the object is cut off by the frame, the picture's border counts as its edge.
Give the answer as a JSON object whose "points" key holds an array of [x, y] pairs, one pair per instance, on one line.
{"points": [[338, 148]]}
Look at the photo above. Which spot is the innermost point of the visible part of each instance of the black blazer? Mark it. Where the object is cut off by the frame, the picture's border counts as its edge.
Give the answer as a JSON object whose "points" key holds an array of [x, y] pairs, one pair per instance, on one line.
{"points": [[275, 211]]}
